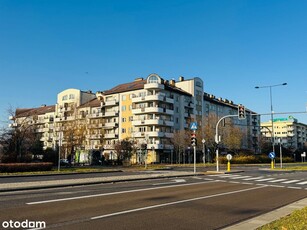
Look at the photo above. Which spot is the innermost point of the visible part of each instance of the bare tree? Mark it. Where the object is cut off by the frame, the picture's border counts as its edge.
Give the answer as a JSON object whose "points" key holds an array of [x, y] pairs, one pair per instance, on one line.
{"points": [[180, 141]]}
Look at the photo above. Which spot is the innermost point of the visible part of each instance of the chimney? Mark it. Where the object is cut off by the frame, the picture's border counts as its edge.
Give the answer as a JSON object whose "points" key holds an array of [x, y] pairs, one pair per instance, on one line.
{"points": [[181, 78], [172, 82], [138, 79]]}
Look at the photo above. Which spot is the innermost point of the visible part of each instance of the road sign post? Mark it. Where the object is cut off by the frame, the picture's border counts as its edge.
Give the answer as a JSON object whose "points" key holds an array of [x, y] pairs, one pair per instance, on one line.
{"points": [[272, 157], [229, 157], [193, 127]]}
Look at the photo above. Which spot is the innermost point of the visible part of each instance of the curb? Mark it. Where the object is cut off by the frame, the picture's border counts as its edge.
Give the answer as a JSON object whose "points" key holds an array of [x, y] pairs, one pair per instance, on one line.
{"points": [[84, 182], [57, 174], [269, 217]]}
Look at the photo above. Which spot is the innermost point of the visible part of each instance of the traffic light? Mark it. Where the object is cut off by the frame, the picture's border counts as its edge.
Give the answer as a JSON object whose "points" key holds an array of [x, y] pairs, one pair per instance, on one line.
{"points": [[193, 139], [241, 112]]}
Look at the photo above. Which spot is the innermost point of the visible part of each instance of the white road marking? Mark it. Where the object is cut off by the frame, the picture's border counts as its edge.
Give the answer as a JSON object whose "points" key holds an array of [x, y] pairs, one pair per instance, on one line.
{"points": [[116, 193], [290, 181], [302, 183], [278, 180], [295, 187], [254, 178], [172, 182], [173, 203], [266, 179], [239, 177]]}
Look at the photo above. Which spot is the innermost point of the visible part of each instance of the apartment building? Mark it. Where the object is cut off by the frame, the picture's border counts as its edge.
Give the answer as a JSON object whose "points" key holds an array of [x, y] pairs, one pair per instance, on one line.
{"points": [[216, 108], [147, 111], [287, 131]]}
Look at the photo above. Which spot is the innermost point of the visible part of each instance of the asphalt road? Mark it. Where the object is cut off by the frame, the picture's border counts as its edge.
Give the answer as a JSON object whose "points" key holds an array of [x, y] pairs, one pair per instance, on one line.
{"points": [[203, 202]]}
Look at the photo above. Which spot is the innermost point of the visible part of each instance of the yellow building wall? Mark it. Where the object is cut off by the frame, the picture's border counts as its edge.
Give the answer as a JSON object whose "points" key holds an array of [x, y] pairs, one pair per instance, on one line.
{"points": [[127, 125]]}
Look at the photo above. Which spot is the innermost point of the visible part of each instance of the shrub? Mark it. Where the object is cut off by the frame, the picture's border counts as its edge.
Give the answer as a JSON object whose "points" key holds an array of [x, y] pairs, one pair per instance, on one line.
{"points": [[25, 167]]}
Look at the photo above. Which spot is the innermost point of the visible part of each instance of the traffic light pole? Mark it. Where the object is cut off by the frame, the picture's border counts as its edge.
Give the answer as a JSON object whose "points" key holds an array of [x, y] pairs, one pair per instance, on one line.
{"points": [[194, 154], [217, 139]]}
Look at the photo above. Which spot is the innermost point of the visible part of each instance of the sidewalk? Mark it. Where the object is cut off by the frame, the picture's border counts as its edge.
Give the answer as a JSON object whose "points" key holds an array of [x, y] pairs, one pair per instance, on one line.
{"points": [[6, 187], [269, 217]]}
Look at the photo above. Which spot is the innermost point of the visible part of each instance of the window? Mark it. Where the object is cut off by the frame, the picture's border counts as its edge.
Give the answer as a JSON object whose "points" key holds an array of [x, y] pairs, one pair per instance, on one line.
{"points": [[71, 96], [123, 108], [123, 130], [124, 97], [153, 79], [123, 119], [131, 118], [64, 98]]}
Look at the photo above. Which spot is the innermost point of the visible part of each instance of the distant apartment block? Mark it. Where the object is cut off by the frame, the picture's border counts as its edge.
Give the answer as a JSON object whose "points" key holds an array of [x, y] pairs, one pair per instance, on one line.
{"points": [[145, 110], [289, 131]]}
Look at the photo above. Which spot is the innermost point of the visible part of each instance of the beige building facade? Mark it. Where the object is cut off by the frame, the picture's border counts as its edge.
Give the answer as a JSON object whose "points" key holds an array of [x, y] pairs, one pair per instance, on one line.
{"points": [[287, 131], [147, 111]]}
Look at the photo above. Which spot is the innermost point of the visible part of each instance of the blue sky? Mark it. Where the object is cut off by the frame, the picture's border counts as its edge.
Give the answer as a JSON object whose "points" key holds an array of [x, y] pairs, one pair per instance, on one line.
{"points": [[47, 46]]}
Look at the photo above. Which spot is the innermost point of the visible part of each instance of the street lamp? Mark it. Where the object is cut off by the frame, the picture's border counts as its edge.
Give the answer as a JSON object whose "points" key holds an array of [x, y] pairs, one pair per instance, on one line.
{"points": [[204, 153], [280, 151], [271, 86]]}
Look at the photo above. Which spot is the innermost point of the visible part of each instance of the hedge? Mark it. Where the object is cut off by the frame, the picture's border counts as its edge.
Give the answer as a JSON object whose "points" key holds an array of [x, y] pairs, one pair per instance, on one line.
{"points": [[25, 167], [253, 159]]}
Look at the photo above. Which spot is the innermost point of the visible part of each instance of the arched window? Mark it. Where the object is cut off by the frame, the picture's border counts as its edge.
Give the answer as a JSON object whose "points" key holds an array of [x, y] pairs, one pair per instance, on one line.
{"points": [[153, 79]]}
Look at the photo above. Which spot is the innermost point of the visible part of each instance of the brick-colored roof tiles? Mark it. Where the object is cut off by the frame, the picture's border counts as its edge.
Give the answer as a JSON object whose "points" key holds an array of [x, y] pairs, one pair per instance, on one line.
{"points": [[92, 103], [35, 111]]}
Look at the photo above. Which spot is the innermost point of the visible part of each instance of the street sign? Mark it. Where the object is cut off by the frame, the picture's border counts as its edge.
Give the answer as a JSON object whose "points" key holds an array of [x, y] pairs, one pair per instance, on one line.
{"points": [[193, 126], [303, 154], [272, 155], [229, 157]]}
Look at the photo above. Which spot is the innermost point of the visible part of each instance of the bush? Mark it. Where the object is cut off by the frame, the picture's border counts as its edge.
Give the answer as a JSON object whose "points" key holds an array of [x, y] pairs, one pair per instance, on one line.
{"points": [[25, 167], [253, 159]]}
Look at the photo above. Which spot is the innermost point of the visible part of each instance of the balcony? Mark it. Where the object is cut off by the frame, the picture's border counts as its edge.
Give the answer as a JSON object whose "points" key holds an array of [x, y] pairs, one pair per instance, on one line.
{"points": [[110, 136], [110, 125], [147, 110], [153, 86], [110, 114], [110, 103], [156, 134]]}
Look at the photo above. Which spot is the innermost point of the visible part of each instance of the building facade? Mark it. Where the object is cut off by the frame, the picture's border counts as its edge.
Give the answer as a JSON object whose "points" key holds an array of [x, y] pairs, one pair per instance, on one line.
{"points": [[216, 108], [147, 111], [287, 131]]}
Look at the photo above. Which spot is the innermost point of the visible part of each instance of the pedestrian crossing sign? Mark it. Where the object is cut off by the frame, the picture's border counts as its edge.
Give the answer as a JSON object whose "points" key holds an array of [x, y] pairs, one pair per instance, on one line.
{"points": [[193, 126]]}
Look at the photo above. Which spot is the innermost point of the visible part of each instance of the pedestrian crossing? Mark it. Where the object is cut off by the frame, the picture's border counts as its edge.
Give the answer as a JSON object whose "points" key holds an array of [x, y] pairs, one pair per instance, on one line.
{"points": [[256, 179]]}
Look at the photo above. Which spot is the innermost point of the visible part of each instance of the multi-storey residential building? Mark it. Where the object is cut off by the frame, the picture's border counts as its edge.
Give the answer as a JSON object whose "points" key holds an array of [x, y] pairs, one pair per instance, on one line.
{"points": [[147, 111], [216, 108], [287, 131]]}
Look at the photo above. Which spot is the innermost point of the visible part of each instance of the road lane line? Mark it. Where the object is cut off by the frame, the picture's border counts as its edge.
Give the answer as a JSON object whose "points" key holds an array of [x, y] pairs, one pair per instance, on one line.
{"points": [[115, 193], [173, 203]]}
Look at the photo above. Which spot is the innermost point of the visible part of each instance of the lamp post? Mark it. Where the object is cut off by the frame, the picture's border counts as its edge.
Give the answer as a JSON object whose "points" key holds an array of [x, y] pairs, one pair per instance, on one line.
{"points": [[204, 150], [271, 101], [280, 151]]}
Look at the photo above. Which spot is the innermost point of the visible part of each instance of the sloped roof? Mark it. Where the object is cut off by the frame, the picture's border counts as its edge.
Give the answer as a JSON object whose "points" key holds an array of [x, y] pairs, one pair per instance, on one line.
{"points": [[24, 112], [92, 103], [139, 84], [135, 85]]}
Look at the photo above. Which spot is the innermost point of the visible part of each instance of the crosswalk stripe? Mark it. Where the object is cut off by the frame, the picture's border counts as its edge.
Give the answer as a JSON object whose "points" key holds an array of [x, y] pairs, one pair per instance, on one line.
{"points": [[290, 181], [278, 180], [239, 177], [266, 179], [302, 183], [254, 178]]}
